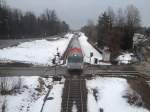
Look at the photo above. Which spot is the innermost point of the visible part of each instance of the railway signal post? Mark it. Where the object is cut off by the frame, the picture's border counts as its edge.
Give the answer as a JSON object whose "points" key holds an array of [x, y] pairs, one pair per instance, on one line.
{"points": [[56, 60], [91, 55], [54, 63]]}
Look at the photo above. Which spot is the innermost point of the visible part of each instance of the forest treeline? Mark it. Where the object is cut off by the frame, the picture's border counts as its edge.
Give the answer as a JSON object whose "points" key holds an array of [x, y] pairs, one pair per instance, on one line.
{"points": [[17, 24], [115, 29]]}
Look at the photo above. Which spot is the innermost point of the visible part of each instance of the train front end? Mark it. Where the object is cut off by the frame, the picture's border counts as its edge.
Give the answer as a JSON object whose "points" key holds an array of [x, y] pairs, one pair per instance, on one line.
{"points": [[75, 62], [75, 56]]}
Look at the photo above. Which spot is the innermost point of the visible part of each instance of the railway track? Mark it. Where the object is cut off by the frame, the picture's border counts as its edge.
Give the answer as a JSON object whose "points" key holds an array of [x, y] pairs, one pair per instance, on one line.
{"points": [[117, 73], [124, 74], [74, 93]]}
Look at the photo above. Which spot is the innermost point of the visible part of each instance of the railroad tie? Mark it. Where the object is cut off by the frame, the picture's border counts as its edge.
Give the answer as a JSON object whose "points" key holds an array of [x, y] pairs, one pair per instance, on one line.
{"points": [[74, 93]]}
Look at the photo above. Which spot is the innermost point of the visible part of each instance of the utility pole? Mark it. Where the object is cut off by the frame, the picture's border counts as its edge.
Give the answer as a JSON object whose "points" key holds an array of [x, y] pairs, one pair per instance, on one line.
{"points": [[56, 60], [91, 55]]}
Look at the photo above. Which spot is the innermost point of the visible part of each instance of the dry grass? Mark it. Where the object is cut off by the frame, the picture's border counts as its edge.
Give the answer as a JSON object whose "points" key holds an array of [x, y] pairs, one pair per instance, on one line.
{"points": [[9, 85], [143, 89]]}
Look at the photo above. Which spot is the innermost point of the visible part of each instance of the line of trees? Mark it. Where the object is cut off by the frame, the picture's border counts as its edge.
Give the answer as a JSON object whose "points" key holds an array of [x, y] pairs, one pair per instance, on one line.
{"points": [[14, 23], [115, 29]]}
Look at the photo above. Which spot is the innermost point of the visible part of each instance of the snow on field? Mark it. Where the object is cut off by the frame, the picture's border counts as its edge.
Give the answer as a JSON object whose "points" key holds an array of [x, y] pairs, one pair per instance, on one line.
{"points": [[109, 92], [38, 52], [88, 48], [41, 52], [29, 99], [125, 58], [21, 100]]}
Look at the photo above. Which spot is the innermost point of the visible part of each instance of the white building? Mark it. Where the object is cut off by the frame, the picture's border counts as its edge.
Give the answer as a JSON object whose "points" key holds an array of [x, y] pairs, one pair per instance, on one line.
{"points": [[106, 54]]}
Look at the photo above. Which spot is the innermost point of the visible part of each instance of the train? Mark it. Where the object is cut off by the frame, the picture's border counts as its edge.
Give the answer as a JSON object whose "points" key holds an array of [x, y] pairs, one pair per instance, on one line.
{"points": [[75, 55]]}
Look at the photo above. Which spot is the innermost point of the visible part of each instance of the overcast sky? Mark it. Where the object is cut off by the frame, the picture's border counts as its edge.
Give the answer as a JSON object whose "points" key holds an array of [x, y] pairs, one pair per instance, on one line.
{"points": [[77, 12]]}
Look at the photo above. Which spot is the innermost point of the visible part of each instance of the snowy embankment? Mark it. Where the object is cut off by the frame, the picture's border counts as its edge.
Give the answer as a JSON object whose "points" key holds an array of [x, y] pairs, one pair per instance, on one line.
{"points": [[55, 104], [148, 82], [31, 96], [87, 48], [39, 52], [107, 94]]}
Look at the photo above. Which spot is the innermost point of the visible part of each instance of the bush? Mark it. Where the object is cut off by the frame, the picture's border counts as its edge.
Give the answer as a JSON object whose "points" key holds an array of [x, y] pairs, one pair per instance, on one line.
{"points": [[9, 85]]}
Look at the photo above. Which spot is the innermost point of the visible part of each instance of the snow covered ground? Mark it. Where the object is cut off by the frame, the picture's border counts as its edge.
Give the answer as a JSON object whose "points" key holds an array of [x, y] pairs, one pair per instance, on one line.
{"points": [[30, 99], [41, 52], [109, 94], [87, 49], [38, 52], [54, 105]]}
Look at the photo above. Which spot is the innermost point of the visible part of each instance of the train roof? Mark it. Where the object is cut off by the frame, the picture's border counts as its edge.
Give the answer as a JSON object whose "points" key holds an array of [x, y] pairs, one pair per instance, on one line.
{"points": [[75, 51], [75, 43]]}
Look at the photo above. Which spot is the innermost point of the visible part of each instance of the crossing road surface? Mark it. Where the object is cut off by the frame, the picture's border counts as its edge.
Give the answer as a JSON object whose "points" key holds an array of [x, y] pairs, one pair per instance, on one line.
{"points": [[32, 71], [62, 71]]}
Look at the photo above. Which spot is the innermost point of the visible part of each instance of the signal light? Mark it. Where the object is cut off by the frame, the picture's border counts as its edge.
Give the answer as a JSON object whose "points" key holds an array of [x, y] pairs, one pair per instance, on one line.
{"points": [[54, 60]]}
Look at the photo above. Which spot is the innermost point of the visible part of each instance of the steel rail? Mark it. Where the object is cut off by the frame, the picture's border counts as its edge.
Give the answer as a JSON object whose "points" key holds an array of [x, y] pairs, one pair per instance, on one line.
{"points": [[81, 88], [67, 107]]}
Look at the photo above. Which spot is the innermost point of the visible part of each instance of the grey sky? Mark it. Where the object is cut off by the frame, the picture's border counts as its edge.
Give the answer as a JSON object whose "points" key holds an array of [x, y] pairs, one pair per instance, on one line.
{"points": [[77, 12]]}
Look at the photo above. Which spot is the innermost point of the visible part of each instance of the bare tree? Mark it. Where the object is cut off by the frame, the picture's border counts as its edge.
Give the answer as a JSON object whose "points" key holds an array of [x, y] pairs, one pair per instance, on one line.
{"points": [[111, 14], [133, 16], [120, 18], [16, 24], [90, 30], [133, 22]]}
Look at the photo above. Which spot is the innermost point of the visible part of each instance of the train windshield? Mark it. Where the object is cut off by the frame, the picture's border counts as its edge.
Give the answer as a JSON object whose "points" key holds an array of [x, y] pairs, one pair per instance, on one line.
{"points": [[75, 59]]}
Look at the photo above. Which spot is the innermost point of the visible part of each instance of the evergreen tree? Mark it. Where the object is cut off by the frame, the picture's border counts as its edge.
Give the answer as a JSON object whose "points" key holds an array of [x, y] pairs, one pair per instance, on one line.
{"points": [[104, 27], [15, 24]]}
